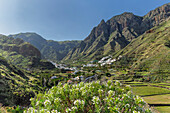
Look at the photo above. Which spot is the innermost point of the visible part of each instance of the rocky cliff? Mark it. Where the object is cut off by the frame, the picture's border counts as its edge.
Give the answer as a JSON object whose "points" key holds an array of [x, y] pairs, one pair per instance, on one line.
{"points": [[117, 33], [149, 52]]}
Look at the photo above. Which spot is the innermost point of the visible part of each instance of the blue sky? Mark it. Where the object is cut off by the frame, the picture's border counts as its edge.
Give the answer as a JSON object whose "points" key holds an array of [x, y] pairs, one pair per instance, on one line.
{"points": [[65, 19]]}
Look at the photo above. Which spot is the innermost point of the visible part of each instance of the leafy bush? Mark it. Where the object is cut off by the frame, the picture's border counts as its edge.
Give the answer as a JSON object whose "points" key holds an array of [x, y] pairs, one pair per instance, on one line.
{"points": [[88, 97]]}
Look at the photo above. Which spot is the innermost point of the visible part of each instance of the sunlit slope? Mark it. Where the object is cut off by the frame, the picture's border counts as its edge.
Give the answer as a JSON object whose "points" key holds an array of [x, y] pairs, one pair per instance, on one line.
{"points": [[150, 51]]}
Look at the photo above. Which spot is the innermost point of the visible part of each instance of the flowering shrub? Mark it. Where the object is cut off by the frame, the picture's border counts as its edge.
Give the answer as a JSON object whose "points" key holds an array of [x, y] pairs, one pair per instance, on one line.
{"points": [[91, 97]]}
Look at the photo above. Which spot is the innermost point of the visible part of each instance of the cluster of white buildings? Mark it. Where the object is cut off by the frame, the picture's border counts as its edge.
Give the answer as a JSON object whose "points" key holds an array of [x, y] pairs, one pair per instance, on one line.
{"points": [[78, 78], [108, 60], [62, 66], [90, 65]]}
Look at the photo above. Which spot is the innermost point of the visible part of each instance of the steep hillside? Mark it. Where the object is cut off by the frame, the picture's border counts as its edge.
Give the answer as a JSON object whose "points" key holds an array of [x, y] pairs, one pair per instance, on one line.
{"points": [[117, 33], [150, 51], [57, 50], [53, 50], [16, 86], [20, 53]]}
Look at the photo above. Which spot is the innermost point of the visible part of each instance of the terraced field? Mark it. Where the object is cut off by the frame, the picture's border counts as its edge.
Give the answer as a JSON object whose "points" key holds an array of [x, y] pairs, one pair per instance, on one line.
{"points": [[157, 95]]}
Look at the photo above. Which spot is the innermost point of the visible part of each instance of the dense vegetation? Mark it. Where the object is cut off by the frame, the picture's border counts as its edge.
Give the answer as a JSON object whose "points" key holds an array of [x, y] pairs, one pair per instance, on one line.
{"points": [[91, 97], [16, 86]]}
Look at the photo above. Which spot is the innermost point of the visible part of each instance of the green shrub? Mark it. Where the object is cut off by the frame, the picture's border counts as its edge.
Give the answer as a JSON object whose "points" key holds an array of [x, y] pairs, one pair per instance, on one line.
{"points": [[88, 97]]}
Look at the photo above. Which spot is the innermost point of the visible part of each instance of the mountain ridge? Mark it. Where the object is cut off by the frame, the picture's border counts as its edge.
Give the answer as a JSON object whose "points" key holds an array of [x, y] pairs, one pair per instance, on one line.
{"points": [[117, 33], [51, 50], [20, 53], [150, 51]]}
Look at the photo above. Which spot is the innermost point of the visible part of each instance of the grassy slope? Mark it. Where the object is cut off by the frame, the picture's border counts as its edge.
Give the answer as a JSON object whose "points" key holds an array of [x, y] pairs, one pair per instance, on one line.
{"points": [[148, 52], [163, 109], [153, 95], [15, 58], [18, 52], [22, 54], [14, 81], [149, 90], [158, 99]]}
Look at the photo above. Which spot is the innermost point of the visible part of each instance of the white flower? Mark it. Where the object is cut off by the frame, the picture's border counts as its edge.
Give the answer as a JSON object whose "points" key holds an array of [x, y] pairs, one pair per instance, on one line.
{"points": [[68, 109], [54, 111], [43, 111], [74, 108], [79, 102], [96, 100], [127, 106], [47, 102], [111, 93], [82, 88], [31, 110], [31, 99], [100, 90], [37, 103], [106, 98], [136, 111], [57, 100]]}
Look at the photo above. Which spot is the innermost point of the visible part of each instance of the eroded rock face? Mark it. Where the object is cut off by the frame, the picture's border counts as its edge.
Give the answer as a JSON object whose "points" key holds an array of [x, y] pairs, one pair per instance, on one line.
{"points": [[127, 21], [155, 17], [117, 32]]}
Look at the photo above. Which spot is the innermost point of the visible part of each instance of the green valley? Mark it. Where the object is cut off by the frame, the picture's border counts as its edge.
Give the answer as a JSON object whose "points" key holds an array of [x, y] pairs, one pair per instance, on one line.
{"points": [[122, 66]]}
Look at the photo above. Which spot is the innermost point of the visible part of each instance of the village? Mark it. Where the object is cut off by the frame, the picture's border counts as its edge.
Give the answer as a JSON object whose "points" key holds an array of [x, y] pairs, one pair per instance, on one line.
{"points": [[91, 71]]}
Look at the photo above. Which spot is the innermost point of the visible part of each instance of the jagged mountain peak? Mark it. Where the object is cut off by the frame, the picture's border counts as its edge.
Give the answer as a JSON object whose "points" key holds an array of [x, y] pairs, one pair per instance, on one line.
{"points": [[127, 13], [124, 15], [102, 22], [162, 9], [116, 33]]}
